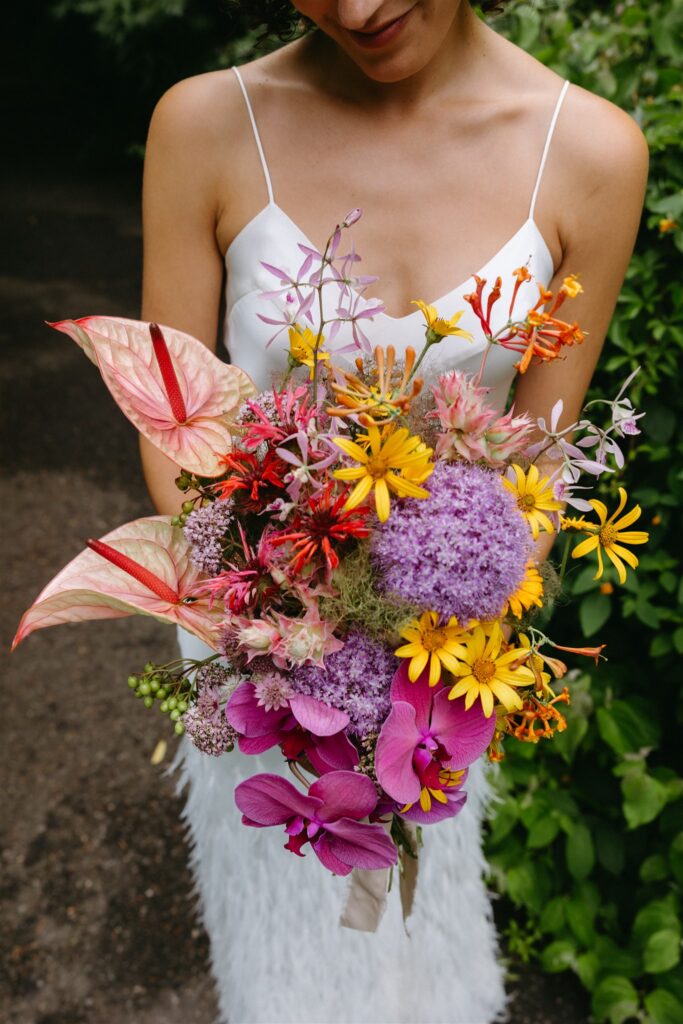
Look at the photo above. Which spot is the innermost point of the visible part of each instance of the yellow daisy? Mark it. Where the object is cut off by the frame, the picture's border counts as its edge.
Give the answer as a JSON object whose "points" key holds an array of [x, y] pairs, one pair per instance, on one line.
{"points": [[534, 498], [438, 327], [440, 645], [302, 348], [489, 675], [611, 535], [527, 594], [383, 465]]}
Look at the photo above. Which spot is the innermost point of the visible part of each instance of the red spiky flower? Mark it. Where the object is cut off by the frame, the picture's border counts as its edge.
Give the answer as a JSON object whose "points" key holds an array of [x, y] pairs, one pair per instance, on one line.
{"points": [[319, 525], [253, 484]]}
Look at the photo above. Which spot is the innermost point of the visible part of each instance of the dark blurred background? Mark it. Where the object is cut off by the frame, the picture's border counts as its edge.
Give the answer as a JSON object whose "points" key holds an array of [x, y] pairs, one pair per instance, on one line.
{"points": [[586, 849]]}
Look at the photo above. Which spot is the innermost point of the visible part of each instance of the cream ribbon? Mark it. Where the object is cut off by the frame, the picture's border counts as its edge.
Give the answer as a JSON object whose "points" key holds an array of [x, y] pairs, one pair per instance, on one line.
{"points": [[366, 899]]}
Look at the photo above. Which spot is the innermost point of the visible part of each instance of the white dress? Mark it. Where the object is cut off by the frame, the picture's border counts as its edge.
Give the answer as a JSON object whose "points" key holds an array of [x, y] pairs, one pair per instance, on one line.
{"points": [[278, 953]]}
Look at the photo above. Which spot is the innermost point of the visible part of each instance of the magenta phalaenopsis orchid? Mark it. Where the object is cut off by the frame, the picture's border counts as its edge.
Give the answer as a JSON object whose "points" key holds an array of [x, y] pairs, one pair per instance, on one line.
{"points": [[425, 745], [299, 725], [329, 818]]}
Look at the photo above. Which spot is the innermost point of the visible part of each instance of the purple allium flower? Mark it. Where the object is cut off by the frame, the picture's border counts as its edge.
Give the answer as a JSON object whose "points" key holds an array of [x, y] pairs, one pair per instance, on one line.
{"points": [[461, 552], [205, 529], [356, 679]]}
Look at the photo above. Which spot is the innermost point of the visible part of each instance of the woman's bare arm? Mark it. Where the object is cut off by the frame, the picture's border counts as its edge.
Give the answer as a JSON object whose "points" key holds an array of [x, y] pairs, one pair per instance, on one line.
{"points": [[183, 267], [600, 214]]}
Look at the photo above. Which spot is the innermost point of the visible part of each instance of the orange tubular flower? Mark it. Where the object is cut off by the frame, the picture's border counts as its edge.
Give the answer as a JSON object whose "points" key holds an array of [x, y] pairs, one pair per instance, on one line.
{"points": [[384, 400]]}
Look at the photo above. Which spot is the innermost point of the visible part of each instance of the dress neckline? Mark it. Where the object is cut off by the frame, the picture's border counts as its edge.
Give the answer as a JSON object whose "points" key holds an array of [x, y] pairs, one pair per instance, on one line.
{"points": [[371, 300]]}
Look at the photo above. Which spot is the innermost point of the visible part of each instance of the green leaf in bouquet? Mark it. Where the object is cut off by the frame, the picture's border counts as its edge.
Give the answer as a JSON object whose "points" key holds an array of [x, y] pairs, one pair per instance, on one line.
{"points": [[661, 646], [559, 956], [594, 611], [615, 1000], [580, 852], [663, 1007], [504, 820], [678, 639], [662, 951]]}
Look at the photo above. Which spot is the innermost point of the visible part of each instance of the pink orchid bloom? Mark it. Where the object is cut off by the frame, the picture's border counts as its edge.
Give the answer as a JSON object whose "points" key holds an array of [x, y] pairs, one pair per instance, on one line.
{"points": [[302, 726], [141, 568], [329, 818], [177, 393], [424, 746]]}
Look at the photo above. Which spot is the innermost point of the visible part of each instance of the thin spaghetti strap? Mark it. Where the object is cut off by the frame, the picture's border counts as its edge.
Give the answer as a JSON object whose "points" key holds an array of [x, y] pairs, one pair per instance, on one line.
{"points": [[257, 137], [546, 148]]}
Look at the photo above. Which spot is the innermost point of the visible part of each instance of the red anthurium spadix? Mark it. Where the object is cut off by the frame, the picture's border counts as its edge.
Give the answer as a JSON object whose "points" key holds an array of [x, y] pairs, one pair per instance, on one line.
{"points": [[170, 386], [141, 568]]}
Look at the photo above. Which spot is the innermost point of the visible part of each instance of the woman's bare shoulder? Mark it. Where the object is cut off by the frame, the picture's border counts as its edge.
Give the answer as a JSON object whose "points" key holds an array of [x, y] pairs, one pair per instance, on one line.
{"points": [[601, 137]]}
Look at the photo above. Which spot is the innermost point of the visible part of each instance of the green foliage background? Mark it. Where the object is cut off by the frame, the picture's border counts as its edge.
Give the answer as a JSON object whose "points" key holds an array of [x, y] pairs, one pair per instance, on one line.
{"points": [[587, 841]]}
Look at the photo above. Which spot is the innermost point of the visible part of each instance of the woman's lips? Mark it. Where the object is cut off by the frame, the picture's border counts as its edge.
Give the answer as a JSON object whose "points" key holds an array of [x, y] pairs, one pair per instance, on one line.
{"points": [[384, 35]]}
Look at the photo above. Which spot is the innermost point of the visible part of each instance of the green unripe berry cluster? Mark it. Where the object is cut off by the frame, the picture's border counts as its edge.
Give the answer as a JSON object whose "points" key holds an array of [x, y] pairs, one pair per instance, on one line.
{"points": [[171, 692]]}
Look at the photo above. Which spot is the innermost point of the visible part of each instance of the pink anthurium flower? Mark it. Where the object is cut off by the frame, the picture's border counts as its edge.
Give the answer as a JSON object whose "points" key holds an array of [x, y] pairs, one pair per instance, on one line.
{"points": [[140, 568], [328, 818], [177, 393], [425, 745], [300, 725]]}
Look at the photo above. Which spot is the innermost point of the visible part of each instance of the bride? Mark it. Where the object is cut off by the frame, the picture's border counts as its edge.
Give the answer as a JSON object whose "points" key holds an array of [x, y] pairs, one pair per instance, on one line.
{"points": [[467, 156]]}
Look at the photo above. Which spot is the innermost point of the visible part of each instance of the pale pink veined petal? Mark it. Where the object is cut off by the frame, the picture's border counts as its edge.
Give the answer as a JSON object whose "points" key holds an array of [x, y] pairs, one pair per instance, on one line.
{"points": [[394, 754], [212, 391], [90, 587], [271, 800], [344, 795], [317, 717]]}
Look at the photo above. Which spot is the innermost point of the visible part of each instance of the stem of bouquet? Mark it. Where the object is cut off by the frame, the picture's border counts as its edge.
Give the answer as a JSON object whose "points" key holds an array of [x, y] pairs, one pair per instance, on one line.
{"points": [[319, 288]]}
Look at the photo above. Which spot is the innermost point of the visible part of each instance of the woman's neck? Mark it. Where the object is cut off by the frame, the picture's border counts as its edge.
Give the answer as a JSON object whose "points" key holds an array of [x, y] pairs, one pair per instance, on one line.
{"points": [[453, 67]]}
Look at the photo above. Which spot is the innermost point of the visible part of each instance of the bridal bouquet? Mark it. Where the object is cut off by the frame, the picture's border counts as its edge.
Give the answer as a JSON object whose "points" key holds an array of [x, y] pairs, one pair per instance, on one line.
{"points": [[357, 548]]}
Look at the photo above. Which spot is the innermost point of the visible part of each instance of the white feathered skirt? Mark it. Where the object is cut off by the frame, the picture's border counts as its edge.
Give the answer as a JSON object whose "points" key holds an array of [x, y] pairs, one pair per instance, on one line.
{"points": [[278, 953]]}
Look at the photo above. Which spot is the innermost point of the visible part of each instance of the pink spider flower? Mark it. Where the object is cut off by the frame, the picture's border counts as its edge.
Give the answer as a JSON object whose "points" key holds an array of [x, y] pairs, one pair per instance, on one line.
{"points": [[301, 726], [329, 818], [244, 585], [425, 745], [293, 412]]}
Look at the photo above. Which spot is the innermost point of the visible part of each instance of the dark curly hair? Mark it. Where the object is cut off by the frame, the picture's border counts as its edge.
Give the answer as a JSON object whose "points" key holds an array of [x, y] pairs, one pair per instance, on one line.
{"points": [[280, 19]]}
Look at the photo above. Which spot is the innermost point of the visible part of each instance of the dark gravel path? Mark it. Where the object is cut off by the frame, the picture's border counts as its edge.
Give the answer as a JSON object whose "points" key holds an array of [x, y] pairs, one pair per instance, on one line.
{"points": [[98, 919]]}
